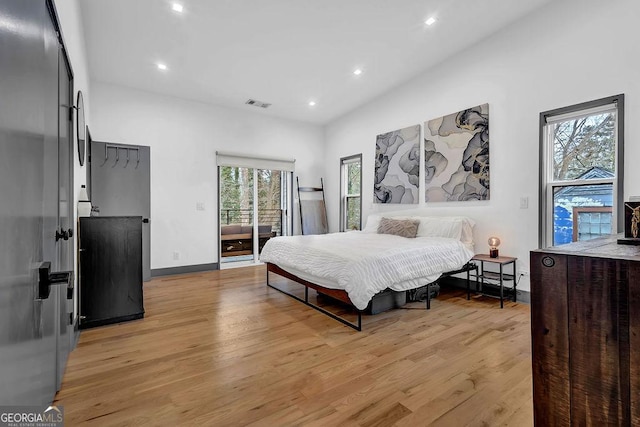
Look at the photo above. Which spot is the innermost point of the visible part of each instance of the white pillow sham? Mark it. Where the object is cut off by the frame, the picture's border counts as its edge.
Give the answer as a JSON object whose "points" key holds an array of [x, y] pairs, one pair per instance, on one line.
{"points": [[455, 227]]}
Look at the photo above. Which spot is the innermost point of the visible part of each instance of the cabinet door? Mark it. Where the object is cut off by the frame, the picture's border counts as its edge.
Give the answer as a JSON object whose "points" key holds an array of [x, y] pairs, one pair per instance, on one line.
{"points": [[110, 270], [550, 341], [599, 340], [634, 340]]}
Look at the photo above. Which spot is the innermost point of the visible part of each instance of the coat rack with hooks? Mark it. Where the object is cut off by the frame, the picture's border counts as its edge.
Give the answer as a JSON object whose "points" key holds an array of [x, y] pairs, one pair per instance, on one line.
{"points": [[117, 147]]}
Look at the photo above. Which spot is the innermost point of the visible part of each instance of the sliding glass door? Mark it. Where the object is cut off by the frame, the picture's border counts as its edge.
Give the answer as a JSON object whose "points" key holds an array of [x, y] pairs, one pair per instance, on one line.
{"points": [[271, 204], [254, 207], [236, 213]]}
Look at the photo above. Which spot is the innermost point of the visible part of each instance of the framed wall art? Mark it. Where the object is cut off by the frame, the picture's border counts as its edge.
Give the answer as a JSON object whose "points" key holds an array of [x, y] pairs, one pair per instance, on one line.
{"points": [[456, 156], [397, 166]]}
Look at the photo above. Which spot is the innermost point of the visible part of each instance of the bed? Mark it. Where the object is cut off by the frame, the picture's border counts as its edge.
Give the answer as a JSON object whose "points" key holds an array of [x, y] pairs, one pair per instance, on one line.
{"points": [[396, 253]]}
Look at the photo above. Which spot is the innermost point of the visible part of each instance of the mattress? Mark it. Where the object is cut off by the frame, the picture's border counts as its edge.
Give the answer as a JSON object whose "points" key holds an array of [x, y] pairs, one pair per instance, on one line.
{"points": [[364, 264]]}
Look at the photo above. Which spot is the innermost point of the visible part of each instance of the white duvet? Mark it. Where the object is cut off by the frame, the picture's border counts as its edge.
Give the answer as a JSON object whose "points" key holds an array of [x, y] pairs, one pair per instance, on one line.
{"points": [[364, 264]]}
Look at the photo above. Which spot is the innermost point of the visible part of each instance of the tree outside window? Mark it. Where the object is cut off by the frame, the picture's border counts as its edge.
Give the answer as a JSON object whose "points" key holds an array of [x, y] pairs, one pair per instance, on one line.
{"points": [[351, 185]]}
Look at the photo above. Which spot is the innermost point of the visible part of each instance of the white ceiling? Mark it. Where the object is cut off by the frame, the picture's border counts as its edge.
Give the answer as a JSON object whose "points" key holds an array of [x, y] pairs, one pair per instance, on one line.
{"points": [[284, 52]]}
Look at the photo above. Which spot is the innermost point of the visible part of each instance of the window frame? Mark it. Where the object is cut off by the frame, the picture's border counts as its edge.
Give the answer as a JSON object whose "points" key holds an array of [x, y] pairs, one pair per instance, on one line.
{"points": [[546, 182], [344, 197], [577, 210]]}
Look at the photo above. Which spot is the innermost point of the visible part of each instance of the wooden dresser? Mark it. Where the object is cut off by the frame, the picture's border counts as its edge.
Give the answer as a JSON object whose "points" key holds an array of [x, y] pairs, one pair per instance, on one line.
{"points": [[585, 321]]}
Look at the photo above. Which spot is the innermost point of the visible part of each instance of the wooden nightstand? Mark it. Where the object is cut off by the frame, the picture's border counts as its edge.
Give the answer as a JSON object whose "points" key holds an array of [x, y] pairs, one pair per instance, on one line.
{"points": [[500, 276]]}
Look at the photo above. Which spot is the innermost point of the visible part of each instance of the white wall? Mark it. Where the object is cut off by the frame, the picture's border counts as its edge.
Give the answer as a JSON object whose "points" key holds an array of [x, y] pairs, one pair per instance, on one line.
{"points": [[572, 51], [184, 137]]}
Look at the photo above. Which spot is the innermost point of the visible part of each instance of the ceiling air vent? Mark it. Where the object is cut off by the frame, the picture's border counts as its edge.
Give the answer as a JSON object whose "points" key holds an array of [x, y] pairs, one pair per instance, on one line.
{"points": [[258, 103]]}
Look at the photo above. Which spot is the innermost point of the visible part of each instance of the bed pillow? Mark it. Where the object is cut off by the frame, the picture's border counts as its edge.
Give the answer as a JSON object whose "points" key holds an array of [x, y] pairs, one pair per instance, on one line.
{"points": [[373, 221], [440, 227], [399, 227], [467, 232], [455, 227]]}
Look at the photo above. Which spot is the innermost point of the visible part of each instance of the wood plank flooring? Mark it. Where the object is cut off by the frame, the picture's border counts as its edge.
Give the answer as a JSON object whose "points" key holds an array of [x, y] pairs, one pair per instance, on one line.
{"points": [[222, 349]]}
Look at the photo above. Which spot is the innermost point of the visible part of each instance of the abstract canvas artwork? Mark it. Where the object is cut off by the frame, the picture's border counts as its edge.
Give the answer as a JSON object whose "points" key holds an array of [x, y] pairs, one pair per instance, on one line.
{"points": [[456, 156], [397, 166]]}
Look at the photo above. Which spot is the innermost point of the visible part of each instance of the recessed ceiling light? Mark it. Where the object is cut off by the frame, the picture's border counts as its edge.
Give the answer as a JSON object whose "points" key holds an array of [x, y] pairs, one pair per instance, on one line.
{"points": [[161, 66], [357, 71], [177, 7], [312, 103], [430, 21]]}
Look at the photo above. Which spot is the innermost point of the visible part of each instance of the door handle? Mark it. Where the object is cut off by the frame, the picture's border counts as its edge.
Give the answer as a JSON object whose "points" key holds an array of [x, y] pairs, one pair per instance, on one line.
{"points": [[70, 288], [46, 278], [64, 234], [43, 278]]}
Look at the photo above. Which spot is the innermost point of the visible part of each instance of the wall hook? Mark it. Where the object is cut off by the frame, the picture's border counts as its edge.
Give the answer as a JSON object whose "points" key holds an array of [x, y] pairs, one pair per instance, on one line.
{"points": [[106, 154]]}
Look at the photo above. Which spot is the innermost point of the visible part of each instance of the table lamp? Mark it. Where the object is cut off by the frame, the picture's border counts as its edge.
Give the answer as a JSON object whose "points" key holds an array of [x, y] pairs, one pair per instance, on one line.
{"points": [[494, 242]]}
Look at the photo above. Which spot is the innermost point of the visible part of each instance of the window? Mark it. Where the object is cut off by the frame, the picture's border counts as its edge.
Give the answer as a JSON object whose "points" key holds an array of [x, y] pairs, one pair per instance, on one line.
{"points": [[592, 222], [350, 184], [581, 166]]}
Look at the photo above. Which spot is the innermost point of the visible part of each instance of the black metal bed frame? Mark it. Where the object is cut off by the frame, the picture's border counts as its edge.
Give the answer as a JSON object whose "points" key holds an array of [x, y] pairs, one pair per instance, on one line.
{"points": [[468, 268], [334, 293], [342, 295]]}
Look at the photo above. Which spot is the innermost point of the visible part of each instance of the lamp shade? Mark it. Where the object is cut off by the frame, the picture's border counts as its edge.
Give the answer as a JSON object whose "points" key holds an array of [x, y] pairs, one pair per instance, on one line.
{"points": [[494, 242]]}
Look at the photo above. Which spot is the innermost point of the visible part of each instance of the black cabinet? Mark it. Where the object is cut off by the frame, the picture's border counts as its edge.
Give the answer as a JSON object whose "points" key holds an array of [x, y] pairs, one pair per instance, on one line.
{"points": [[110, 270]]}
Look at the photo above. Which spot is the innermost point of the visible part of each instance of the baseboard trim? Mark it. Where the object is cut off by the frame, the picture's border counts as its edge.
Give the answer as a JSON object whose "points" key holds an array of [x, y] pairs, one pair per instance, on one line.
{"points": [[457, 282], [158, 272]]}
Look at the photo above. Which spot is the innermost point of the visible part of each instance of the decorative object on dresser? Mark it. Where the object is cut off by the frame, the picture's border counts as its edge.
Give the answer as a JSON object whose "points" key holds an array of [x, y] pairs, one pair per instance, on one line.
{"points": [[84, 204], [631, 223], [585, 327]]}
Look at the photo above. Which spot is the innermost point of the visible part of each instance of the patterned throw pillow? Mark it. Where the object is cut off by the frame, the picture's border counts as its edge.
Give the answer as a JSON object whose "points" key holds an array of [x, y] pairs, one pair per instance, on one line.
{"points": [[399, 227]]}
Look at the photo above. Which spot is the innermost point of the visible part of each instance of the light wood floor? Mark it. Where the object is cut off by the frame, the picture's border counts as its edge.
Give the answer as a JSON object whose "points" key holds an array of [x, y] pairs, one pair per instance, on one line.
{"points": [[221, 349]]}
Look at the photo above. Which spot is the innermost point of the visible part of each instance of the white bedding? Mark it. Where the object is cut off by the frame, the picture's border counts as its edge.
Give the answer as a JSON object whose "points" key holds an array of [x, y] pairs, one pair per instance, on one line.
{"points": [[364, 264]]}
